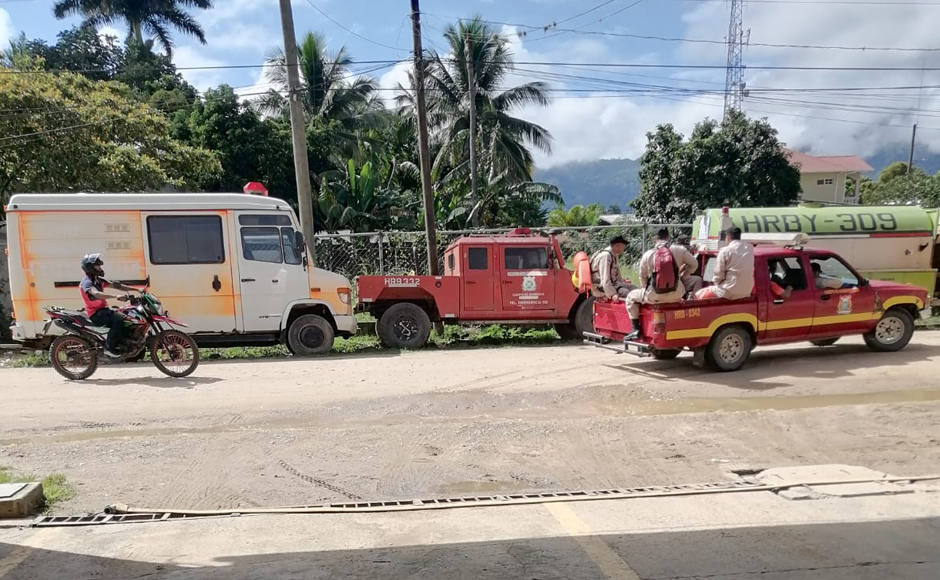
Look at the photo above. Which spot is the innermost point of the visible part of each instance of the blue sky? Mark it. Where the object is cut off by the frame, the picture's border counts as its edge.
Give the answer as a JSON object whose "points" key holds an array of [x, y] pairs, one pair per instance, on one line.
{"points": [[591, 116]]}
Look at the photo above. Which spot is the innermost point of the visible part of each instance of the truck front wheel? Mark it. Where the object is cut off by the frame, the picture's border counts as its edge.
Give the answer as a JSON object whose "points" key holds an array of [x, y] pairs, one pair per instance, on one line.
{"points": [[729, 349], [404, 325], [892, 333], [581, 321], [310, 335]]}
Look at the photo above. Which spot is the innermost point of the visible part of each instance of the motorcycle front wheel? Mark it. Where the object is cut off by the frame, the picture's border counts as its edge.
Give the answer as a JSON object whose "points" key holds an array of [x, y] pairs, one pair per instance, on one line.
{"points": [[73, 357], [175, 353]]}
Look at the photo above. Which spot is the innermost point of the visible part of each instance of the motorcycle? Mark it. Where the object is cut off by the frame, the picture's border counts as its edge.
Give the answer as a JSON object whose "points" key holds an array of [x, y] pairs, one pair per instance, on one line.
{"points": [[75, 355]]}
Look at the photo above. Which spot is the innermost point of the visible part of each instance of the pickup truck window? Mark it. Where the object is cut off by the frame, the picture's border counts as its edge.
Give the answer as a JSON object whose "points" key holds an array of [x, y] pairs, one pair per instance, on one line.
{"points": [[834, 273], [525, 258], [788, 272], [477, 259]]}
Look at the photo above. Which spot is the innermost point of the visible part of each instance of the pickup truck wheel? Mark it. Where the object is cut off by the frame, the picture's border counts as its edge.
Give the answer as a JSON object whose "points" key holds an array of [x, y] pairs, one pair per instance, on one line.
{"points": [[892, 333], [404, 325], [729, 349], [310, 335], [825, 341], [665, 353]]}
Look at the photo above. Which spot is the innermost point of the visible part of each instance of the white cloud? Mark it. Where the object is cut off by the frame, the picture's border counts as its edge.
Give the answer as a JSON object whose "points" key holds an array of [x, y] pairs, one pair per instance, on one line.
{"points": [[198, 68], [108, 30], [7, 30]]}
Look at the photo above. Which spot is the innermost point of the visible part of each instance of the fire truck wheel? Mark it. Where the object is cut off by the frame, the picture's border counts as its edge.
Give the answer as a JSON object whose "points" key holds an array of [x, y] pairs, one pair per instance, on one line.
{"points": [[310, 335], [404, 325], [665, 353], [729, 349], [892, 333], [825, 341], [582, 321]]}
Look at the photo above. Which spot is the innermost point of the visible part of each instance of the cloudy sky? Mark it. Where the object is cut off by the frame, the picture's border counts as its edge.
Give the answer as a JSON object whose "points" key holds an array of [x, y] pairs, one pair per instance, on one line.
{"points": [[617, 68]]}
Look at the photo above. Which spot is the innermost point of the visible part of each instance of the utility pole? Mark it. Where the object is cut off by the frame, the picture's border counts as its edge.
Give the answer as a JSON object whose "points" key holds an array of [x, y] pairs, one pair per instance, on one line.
{"points": [[472, 85], [910, 163], [430, 227], [298, 129]]}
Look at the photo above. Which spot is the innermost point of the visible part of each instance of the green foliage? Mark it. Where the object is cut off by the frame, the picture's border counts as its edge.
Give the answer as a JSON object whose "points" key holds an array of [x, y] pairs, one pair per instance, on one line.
{"points": [[738, 162], [55, 487], [355, 200], [99, 139], [611, 182], [577, 216], [916, 189], [156, 19], [896, 170]]}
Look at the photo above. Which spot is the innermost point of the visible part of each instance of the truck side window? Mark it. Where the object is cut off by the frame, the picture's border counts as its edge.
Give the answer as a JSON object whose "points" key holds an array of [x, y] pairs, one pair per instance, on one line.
{"points": [[262, 244], [264, 220], [450, 263], [185, 239], [292, 254], [477, 259], [833, 270], [525, 258]]}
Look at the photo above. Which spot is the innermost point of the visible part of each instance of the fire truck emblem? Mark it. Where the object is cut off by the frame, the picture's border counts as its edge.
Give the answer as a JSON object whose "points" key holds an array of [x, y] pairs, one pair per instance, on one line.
{"points": [[845, 305], [528, 284]]}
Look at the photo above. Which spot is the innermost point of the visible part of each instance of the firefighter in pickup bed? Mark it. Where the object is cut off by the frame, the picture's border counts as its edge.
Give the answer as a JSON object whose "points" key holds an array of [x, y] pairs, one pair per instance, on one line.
{"points": [[659, 278], [606, 280]]}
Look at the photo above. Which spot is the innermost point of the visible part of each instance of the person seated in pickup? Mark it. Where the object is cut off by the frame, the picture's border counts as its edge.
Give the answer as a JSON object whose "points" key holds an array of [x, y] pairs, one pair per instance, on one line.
{"points": [[824, 282], [659, 278], [607, 282], [778, 286], [734, 270], [691, 283]]}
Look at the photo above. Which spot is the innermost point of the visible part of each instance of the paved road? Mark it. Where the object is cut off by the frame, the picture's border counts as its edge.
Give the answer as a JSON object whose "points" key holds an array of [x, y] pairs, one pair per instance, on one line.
{"points": [[743, 536], [432, 423]]}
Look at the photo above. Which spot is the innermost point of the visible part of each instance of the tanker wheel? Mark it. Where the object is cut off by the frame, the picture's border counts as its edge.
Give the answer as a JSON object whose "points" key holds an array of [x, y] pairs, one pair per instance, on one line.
{"points": [[404, 325]]}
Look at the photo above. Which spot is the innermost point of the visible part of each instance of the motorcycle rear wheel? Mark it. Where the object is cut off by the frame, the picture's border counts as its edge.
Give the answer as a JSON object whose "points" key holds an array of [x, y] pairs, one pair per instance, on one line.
{"points": [[73, 357], [175, 353]]}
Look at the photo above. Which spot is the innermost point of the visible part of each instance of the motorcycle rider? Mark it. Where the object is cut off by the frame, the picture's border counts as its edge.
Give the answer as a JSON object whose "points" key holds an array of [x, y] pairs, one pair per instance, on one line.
{"points": [[96, 301]]}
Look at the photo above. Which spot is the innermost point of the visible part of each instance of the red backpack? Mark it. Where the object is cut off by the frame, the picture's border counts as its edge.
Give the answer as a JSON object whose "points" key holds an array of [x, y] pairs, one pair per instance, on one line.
{"points": [[665, 271]]}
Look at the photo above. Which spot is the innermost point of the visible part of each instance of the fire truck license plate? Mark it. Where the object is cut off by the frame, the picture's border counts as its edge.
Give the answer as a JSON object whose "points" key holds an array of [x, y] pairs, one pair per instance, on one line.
{"points": [[402, 282]]}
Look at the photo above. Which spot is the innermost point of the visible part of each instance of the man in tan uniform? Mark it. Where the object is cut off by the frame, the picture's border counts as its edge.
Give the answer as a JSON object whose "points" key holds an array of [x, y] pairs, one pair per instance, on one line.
{"points": [[646, 293], [606, 280], [734, 272], [691, 283]]}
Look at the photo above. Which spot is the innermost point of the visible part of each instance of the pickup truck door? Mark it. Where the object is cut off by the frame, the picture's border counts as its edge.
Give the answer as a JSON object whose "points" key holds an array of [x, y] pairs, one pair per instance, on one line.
{"points": [[478, 268], [842, 305], [785, 319], [527, 283]]}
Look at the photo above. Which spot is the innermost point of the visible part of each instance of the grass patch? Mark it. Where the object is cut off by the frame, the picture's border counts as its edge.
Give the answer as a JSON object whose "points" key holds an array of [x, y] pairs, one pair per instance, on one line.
{"points": [[55, 487], [933, 322], [31, 360]]}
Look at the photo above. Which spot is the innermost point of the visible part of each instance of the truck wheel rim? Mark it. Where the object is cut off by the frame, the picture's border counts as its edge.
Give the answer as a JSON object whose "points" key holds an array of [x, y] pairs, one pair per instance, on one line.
{"points": [[406, 328], [731, 348], [889, 330], [311, 337]]}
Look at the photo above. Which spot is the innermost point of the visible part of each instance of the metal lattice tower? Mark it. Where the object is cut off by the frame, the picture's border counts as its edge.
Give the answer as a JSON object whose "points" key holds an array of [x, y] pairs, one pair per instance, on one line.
{"points": [[734, 81]]}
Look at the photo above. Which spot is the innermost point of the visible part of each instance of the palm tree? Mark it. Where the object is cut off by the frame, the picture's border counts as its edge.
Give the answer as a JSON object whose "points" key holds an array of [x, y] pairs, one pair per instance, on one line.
{"points": [[330, 92], [509, 137], [154, 17]]}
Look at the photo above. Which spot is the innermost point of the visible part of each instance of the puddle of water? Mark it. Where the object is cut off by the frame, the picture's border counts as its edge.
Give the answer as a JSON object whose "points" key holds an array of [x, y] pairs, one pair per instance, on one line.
{"points": [[781, 403], [476, 487]]}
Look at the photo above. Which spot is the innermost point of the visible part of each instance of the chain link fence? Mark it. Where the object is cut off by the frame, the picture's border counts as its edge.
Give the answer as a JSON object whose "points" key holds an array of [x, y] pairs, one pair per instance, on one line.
{"points": [[404, 253]]}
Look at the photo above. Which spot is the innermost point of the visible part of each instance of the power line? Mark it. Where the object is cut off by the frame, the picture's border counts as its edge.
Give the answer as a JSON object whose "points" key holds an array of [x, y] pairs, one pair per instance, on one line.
{"points": [[356, 34]]}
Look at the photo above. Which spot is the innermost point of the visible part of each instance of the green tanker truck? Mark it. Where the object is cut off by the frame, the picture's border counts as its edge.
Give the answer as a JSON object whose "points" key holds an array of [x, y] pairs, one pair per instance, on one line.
{"points": [[896, 243]]}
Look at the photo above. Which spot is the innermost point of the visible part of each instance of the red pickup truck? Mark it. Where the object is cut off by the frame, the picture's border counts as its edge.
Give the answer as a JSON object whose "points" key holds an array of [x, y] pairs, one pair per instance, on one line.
{"points": [[722, 333]]}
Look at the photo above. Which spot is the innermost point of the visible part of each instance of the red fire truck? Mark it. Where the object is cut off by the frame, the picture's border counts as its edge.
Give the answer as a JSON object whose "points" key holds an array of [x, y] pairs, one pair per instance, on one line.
{"points": [[519, 278], [722, 333]]}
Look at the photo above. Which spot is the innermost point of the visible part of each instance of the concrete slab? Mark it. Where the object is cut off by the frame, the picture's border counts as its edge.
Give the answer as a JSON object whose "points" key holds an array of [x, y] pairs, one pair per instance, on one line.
{"points": [[19, 500], [802, 473]]}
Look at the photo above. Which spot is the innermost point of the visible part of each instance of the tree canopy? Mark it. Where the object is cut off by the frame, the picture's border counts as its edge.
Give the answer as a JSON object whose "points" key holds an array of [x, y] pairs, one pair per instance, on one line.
{"points": [[738, 161]]}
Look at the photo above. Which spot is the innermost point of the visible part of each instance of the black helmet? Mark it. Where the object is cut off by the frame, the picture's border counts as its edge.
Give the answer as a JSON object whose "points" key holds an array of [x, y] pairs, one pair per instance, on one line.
{"points": [[91, 265]]}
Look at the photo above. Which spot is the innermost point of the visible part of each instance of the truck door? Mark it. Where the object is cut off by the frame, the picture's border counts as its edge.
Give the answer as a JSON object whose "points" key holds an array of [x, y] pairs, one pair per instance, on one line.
{"points": [[478, 277], [786, 319], [189, 269], [270, 269], [841, 305], [526, 281]]}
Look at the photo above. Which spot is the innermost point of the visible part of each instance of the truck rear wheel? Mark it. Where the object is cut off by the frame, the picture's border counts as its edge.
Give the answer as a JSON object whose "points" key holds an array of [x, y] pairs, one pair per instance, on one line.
{"points": [[404, 325], [665, 353], [729, 349], [310, 335], [892, 333], [581, 321]]}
